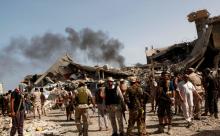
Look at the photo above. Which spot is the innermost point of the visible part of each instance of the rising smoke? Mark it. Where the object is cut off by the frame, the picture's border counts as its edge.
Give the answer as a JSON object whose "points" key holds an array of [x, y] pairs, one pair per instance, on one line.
{"points": [[96, 46]]}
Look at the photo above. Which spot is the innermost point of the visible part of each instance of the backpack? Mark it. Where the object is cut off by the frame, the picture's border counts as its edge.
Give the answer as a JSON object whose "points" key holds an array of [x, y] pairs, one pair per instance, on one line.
{"points": [[82, 96]]}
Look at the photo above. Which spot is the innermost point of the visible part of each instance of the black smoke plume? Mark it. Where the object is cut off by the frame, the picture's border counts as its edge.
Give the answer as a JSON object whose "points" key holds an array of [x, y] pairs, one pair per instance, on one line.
{"points": [[96, 46]]}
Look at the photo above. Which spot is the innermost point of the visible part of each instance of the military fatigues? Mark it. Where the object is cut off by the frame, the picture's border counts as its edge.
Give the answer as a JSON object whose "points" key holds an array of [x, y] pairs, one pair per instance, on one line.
{"points": [[37, 103], [81, 110], [197, 82], [134, 100]]}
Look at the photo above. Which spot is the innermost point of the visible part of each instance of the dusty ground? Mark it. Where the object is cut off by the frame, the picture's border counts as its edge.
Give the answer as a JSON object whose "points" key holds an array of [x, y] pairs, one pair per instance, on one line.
{"points": [[56, 122], [205, 127]]}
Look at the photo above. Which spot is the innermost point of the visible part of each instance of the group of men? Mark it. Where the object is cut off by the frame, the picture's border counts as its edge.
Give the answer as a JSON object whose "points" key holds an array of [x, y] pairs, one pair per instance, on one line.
{"points": [[18, 107], [185, 91]]}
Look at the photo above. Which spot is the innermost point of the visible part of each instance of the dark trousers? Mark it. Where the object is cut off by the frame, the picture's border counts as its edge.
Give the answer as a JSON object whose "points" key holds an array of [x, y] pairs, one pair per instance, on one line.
{"points": [[17, 124], [213, 104]]}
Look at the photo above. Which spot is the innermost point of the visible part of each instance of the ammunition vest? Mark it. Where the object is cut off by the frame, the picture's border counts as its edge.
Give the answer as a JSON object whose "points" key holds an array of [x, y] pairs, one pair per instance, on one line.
{"points": [[82, 96]]}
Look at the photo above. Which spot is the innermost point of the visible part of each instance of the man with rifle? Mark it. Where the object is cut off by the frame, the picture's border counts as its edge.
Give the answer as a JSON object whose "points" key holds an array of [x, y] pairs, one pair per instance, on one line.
{"points": [[17, 112]]}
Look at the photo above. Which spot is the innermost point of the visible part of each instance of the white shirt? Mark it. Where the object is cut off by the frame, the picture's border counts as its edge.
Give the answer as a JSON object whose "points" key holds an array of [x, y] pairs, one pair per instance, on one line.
{"points": [[185, 87]]}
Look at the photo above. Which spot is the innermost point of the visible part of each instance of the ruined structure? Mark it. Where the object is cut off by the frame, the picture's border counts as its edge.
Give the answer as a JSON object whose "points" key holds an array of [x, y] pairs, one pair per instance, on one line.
{"points": [[65, 68], [201, 53]]}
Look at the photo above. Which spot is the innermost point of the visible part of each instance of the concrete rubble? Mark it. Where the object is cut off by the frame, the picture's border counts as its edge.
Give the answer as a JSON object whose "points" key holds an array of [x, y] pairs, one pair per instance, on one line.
{"points": [[33, 127]]}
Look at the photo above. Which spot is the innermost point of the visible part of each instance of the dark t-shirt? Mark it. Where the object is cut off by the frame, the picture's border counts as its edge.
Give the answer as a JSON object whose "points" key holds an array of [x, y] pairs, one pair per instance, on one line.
{"points": [[17, 98]]}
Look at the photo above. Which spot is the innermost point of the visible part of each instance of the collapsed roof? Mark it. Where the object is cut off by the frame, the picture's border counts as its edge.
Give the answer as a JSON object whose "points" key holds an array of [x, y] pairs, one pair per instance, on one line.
{"points": [[201, 53], [64, 68]]}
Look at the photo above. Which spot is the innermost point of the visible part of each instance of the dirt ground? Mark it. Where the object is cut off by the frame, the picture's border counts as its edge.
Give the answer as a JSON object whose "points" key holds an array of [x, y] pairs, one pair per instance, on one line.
{"points": [[204, 127]]}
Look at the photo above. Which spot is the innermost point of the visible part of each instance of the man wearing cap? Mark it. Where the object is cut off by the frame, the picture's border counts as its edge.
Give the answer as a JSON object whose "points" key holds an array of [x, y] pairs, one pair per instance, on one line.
{"points": [[100, 101], [212, 86], [164, 100], [113, 102], [185, 90], [82, 95], [134, 99], [123, 86], [196, 80]]}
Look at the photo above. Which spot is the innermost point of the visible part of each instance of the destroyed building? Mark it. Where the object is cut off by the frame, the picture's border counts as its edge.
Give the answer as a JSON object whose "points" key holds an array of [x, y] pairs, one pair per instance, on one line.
{"points": [[201, 53], [66, 69]]}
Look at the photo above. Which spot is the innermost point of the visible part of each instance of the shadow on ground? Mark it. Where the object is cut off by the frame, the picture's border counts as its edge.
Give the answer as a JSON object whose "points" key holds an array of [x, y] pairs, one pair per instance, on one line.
{"points": [[208, 133]]}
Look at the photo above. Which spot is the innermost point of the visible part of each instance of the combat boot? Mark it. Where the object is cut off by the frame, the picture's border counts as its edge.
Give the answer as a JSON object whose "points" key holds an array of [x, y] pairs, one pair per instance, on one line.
{"points": [[161, 128], [169, 132], [205, 114]]}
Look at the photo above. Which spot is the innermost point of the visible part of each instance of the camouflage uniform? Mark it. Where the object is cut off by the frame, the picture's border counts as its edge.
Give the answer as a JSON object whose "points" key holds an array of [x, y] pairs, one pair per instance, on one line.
{"points": [[197, 82], [37, 103], [134, 100]]}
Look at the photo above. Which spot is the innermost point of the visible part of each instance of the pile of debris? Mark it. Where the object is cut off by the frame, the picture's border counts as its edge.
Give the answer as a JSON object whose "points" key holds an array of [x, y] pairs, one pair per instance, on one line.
{"points": [[31, 127], [41, 128], [5, 126]]}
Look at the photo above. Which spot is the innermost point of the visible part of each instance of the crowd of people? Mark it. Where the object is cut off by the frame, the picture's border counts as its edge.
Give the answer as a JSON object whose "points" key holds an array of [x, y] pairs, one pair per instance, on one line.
{"points": [[183, 91]]}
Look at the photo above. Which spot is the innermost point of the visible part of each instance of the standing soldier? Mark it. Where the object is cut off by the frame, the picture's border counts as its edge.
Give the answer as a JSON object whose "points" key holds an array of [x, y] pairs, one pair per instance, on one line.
{"points": [[100, 101], [164, 99], [114, 101], [152, 88], [82, 99], [196, 80], [134, 99], [43, 100], [212, 93], [37, 102]]}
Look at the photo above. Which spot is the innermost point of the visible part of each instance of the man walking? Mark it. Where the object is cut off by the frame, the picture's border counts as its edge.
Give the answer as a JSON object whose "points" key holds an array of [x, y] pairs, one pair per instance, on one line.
{"points": [[17, 112], [82, 99], [185, 90], [100, 101], [196, 80], [134, 99], [113, 102]]}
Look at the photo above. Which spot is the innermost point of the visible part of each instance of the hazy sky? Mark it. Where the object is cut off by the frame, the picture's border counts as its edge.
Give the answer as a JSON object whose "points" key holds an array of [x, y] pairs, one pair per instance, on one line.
{"points": [[136, 23]]}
